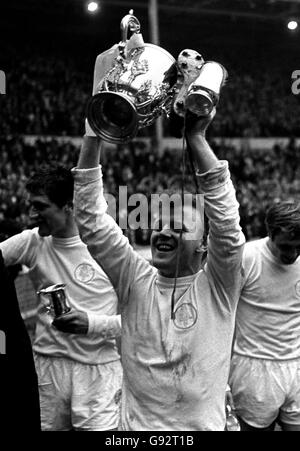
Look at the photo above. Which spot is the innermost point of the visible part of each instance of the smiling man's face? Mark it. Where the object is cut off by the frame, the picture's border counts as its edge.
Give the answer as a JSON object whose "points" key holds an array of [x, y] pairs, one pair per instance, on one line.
{"points": [[165, 243]]}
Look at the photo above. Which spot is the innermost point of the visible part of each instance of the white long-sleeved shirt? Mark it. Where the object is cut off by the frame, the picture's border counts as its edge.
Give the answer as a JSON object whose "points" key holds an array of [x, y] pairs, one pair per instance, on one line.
{"points": [[268, 314], [175, 372], [67, 260]]}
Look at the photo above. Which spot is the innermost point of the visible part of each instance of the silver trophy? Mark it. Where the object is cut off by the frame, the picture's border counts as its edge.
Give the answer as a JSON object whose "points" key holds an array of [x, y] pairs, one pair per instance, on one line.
{"points": [[58, 304]]}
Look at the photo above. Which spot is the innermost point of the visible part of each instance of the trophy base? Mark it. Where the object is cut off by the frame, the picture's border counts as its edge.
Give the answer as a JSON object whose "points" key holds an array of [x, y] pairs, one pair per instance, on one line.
{"points": [[113, 117]]}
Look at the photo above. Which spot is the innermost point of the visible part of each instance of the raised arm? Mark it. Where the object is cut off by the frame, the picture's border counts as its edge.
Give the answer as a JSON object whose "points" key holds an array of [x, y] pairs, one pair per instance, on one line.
{"points": [[89, 156], [104, 238], [226, 240], [203, 155]]}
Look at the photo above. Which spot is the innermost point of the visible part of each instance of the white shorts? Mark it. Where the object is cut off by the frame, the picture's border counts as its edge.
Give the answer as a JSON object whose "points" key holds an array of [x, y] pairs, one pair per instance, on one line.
{"points": [[264, 390], [77, 396]]}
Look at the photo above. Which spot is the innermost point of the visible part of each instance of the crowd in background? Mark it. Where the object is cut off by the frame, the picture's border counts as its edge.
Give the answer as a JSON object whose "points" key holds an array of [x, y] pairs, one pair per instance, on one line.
{"points": [[46, 96]]}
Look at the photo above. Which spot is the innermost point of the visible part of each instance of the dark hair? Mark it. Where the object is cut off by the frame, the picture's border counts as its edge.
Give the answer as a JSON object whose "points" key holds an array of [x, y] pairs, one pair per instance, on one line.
{"points": [[54, 181], [283, 217]]}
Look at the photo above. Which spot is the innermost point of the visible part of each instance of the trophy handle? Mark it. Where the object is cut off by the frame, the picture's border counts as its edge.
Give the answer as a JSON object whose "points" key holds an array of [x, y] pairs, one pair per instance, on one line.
{"points": [[131, 24]]}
